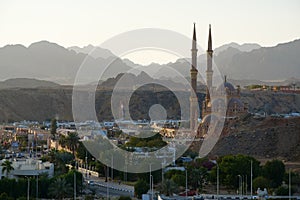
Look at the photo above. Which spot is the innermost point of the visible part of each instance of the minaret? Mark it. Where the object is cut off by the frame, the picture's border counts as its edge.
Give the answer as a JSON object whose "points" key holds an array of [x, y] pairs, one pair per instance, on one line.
{"points": [[209, 71], [209, 74], [194, 72]]}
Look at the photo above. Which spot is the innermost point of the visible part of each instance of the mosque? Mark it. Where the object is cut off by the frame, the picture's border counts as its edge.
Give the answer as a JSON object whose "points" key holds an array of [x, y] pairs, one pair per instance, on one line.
{"points": [[224, 99]]}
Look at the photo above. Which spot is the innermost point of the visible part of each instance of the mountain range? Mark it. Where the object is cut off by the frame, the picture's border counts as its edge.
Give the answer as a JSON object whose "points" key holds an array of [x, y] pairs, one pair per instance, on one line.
{"points": [[50, 61], [27, 83]]}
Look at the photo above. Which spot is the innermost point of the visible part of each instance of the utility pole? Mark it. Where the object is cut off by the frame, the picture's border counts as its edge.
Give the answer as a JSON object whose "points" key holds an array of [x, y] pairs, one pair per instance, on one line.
{"points": [[37, 186], [150, 176], [251, 178], [246, 185], [75, 181], [86, 164], [290, 184], [28, 188], [107, 189], [218, 180], [162, 173], [112, 167], [186, 183], [151, 186], [240, 184]]}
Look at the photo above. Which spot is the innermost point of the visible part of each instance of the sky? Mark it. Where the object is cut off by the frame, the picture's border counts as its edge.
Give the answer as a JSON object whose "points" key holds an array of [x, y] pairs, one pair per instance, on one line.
{"points": [[79, 23]]}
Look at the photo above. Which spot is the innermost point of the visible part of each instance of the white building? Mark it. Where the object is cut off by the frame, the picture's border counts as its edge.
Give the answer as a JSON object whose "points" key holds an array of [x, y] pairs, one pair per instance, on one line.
{"points": [[28, 167]]}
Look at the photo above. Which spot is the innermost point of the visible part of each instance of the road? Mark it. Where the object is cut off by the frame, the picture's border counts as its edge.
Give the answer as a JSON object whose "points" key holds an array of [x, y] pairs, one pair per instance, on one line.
{"points": [[107, 191], [103, 188]]}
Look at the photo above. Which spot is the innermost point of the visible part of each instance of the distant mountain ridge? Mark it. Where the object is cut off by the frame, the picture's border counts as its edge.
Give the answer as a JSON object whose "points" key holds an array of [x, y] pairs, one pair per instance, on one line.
{"points": [[49, 61], [266, 63], [247, 47], [26, 83], [95, 52]]}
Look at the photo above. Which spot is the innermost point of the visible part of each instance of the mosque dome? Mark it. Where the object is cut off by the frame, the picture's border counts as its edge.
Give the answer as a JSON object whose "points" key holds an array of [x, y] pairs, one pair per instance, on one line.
{"points": [[226, 86], [235, 101]]}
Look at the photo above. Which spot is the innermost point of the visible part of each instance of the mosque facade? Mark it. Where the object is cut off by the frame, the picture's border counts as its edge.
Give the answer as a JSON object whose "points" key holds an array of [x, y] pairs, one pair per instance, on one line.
{"points": [[224, 98]]}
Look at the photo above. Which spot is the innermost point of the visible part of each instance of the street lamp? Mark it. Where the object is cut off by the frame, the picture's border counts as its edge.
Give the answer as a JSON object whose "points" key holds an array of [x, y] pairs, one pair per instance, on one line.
{"points": [[162, 172], [246, 184], [251, 177], [240, 184], [290, 184], [86, 164], [150, 175], [107, 189], [151, 186], [218, 180], [37, 186], [28, 187], [186, 183], [112, 167], [75, 180]]}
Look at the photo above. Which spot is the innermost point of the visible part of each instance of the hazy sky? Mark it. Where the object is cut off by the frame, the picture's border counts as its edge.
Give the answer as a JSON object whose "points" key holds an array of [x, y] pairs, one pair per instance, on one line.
{"points": [[71, 22]]}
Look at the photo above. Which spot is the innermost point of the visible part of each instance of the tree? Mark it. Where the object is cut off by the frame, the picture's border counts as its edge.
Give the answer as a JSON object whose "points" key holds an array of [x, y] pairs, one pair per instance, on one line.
{"points": [[65, 157], [260, 182], [82, 152], [4, 196], [282, 191], [295, 178], [124, 198], [53, 127], [274, 171], [60, 159], [141, 187], [62, 141], [7, 166], [197, 177], [60, 189], [168, 187], [155, 141], [72, 142], [69, 178], [179, 179], [99, 167], [230, 166], [0, 151]]}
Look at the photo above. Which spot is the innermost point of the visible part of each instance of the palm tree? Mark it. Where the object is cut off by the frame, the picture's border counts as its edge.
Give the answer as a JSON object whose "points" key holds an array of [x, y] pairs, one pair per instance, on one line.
{"points": [[72, 142], [168, 187], [53, 128], [62, 140], [60, 189], [7, 166]]}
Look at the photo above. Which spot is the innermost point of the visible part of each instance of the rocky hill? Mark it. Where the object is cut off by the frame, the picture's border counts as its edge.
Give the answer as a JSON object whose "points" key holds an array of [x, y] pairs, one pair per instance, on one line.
{"points": [[267, 138], [35, 104], [45, 103], [48, 102], [271, 102], [264, 138]]}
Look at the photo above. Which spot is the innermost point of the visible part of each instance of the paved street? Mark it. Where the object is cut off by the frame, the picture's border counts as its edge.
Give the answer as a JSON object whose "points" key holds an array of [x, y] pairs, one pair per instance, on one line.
{"points": [[102, 190], [107, 188]]}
